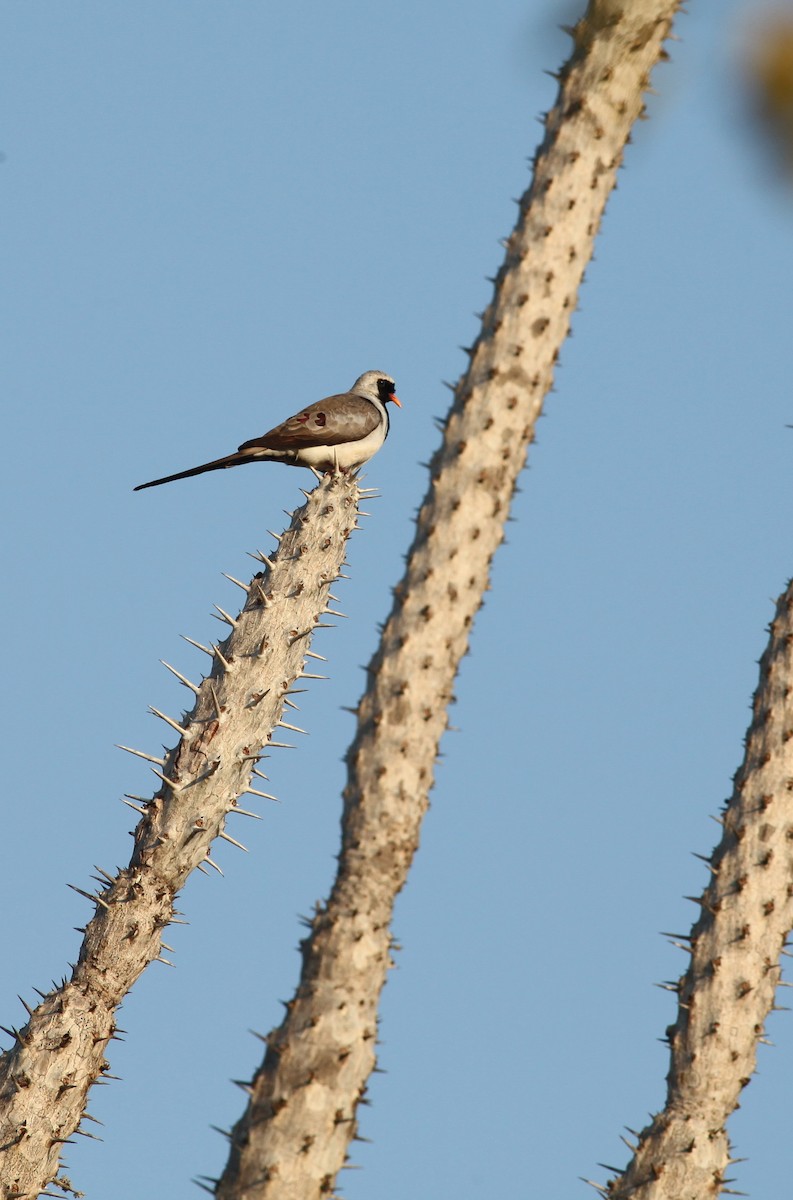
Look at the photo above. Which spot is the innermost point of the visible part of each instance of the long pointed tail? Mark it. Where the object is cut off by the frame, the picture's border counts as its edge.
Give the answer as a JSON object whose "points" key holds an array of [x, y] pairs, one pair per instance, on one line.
{"points": [[231, 460]]}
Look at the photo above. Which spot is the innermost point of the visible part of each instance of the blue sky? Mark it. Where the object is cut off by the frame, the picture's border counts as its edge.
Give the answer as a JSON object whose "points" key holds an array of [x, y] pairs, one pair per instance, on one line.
{"points": [[217, 212]]}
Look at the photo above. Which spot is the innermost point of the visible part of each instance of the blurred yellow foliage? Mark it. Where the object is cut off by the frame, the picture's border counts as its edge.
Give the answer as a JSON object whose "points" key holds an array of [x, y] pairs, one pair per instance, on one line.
{"points": [[770, 70]]}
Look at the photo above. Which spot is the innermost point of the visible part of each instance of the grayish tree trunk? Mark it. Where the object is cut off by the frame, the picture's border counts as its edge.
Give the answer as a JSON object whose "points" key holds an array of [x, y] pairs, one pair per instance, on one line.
{"points": [[728, 990], [60, 1052], [293, 1138]]}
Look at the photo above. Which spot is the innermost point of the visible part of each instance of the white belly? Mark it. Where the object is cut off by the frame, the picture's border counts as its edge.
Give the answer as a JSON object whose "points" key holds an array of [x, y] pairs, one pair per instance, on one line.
{"points": [[349, 454]]}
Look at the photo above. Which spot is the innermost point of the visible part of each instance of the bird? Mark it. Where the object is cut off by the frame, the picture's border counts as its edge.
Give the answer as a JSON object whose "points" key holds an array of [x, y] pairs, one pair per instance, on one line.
{"points": [[338, 433]]}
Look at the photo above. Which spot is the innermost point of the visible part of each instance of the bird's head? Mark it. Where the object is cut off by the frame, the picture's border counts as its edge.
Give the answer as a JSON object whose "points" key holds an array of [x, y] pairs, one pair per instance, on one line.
{"points": [[376, 385]]}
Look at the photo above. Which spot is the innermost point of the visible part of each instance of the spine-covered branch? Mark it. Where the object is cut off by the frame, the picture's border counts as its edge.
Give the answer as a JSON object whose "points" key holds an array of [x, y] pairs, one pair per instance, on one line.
{"points": [[293, 1138], [60, 1052], [728, 990]]}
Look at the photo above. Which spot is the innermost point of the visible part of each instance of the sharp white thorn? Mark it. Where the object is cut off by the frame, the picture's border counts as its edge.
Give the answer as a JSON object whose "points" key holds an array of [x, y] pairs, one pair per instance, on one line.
{"points": [[131, 804], [198, 645], [250, 791], [228, 838], [219, 654], [215, 700], [245, 812], [89, 896], [182, 678], [180, 729], [175, 787], [238, 582], [140, 754]]}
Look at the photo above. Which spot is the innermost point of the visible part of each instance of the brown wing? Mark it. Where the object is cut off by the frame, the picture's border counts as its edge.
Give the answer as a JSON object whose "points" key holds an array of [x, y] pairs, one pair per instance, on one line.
{"points": [[329, 422]]}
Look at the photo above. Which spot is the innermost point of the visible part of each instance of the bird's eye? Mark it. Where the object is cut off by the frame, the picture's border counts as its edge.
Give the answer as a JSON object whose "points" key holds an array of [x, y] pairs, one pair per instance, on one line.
{"points": [[385, 387]]}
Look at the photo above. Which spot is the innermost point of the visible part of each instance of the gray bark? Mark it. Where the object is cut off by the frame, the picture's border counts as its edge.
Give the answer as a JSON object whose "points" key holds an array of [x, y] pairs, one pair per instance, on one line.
{"points": [[746, 912], [293, 1138], [60, 1052]]}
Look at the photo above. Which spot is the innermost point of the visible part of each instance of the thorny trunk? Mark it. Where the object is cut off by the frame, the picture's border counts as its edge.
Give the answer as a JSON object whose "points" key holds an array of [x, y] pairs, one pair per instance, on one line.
{"points": [[728, 989], [60, 1052], [293, 1138]]}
